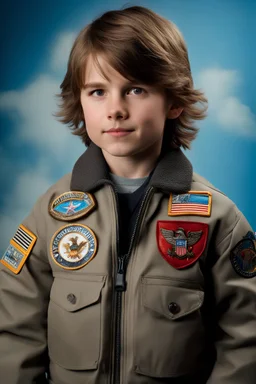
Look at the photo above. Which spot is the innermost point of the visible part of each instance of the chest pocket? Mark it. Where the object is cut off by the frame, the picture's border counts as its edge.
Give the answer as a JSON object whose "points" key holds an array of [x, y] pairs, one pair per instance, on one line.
{"points": [[169, 336], [74, 319]]}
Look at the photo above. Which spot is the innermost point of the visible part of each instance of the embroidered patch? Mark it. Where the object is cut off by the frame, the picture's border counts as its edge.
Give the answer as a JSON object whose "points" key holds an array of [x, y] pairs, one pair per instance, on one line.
{"points": [[19, 249], [71, 205], [192, 203], [73, 246], [243, 256], [181, 243]]}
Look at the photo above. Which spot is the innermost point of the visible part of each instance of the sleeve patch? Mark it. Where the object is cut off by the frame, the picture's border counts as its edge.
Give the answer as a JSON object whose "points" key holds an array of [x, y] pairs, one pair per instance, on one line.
{"points": [[19, 249], [243, 256]]}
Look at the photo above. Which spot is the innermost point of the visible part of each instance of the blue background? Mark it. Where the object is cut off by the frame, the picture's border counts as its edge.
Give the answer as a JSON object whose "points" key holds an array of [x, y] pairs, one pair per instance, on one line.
{"points": [[35, 150]]}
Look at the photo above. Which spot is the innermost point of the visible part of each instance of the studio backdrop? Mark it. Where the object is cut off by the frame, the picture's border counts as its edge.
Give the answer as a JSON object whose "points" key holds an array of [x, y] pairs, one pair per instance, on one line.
{"points": [[36, 150]]}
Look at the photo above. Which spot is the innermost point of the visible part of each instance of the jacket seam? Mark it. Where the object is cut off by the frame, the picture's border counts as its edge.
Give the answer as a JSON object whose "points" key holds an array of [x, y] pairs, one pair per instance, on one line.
{"points": [[238, 216], [45, 258]]}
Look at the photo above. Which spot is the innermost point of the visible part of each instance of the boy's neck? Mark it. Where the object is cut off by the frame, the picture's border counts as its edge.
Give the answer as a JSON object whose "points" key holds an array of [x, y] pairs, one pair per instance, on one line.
{"points": [[130, 167]]}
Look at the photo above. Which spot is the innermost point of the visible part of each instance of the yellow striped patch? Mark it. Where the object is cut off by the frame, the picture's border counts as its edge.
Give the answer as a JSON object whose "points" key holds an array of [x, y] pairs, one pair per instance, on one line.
{"points": [[19, 249]]}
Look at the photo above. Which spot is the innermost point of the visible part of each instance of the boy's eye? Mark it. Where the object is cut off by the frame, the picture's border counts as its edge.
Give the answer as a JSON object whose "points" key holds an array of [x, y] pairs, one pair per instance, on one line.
{"points": [[100, 92], [138, 90], [97, 90]]}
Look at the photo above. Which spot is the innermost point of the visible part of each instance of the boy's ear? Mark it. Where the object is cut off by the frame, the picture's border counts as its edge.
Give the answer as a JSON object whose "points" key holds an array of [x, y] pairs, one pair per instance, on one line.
{"points": [[174, 112]]}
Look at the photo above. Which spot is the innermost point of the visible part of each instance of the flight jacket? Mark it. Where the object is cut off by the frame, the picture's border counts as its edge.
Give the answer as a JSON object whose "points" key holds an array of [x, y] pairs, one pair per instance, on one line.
{"points": [[166, 312]]}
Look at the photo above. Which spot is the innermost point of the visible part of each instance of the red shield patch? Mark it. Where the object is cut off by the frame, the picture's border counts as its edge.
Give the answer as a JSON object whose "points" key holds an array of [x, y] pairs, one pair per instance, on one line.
{"points": [[181, 243]]}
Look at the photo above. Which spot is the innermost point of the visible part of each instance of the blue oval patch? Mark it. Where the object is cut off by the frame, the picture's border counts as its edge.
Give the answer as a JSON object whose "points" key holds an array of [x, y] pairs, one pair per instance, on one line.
{"points": [[71, 205], [73, 246], [243, 256]]}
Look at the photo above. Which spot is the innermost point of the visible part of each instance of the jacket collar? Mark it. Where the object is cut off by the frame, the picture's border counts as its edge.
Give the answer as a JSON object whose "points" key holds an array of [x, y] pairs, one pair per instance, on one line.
{"points": [[173, 172]]}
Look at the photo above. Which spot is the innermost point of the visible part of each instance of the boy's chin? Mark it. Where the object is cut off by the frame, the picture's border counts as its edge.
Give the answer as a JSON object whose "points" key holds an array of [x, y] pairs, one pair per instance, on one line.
{"points": [[120, 151], [130, 150]]}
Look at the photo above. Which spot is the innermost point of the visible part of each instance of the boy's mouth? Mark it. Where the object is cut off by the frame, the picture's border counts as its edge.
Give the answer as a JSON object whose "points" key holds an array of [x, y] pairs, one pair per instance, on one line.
{"points": [[119, 131]]}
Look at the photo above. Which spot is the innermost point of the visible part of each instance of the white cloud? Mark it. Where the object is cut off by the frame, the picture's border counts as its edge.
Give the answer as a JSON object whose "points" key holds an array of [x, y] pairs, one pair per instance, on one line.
{"points": [[61, 49], [35, 106], [8, 227], [237, 115], [220, 86], [30, 184]]}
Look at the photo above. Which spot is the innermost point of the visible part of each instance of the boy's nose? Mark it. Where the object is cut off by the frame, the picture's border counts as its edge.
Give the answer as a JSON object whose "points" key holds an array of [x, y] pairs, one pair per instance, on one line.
{"points": [[117, 109]]}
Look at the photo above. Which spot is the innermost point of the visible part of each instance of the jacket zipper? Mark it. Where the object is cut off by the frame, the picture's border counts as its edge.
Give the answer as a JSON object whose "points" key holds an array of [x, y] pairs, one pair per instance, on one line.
{"points": [[120, 283]]}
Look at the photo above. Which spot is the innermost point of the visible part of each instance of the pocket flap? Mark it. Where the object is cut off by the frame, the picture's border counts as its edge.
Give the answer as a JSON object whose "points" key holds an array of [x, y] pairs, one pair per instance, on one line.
{"points": [[73, 295], [170, 300]]}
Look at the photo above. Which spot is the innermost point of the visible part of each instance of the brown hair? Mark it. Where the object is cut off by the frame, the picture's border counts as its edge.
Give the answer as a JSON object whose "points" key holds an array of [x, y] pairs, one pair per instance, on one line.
{"points": [[142, 46]]}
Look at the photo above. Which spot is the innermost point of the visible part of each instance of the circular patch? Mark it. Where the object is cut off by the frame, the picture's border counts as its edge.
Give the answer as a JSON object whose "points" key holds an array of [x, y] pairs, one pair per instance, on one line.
{"points": [[243, 258], [73, 246]]}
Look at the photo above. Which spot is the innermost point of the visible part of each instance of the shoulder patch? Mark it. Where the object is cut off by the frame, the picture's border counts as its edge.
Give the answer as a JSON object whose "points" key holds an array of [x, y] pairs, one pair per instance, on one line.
{"points": [[19, 249], [71, 205], [243, 256], [197, 203]]}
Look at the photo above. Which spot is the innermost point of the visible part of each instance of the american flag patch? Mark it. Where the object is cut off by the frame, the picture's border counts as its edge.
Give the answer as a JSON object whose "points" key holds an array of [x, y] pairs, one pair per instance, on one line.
{"points": [[20, 247], [191, 203]]}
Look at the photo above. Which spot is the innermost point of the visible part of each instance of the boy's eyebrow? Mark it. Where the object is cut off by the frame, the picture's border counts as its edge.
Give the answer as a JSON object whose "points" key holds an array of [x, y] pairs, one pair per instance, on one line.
{"points": [[100, 85], [93, 85]]}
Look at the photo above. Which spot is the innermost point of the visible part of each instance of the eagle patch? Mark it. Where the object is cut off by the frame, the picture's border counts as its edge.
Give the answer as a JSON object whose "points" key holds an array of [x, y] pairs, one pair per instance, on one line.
{"points": [[73, 246], [181, 243]]}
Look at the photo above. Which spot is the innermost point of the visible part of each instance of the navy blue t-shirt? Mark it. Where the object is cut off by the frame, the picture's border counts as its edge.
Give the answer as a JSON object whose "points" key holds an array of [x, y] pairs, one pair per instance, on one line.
{"points": [[129, 205]]}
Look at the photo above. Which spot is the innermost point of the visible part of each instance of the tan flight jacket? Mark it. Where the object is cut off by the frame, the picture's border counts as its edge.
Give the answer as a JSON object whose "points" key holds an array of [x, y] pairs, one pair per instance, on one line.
{"points": [[217, 306]]}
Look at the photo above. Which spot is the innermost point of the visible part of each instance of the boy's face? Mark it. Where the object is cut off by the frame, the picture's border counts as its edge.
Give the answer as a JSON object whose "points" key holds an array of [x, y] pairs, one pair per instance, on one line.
{"points": [[122, 118]]}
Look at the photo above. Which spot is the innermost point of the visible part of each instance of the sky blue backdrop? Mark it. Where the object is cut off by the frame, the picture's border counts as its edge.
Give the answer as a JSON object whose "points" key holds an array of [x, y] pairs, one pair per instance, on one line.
{"points": [[35, 150]]}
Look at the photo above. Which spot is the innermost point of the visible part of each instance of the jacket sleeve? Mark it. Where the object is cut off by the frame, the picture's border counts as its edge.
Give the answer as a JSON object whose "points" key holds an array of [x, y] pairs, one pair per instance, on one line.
{"points": [[23, 312], [235, 295]]}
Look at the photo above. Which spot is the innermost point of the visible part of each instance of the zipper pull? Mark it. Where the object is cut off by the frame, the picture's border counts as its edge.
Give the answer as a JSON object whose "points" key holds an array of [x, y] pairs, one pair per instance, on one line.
{"points": [[120, 276]]}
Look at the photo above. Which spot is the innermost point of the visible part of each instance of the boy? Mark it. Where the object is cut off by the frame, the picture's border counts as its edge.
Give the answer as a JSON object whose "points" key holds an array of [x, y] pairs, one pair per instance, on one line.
{"points": [[132, 269]]}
